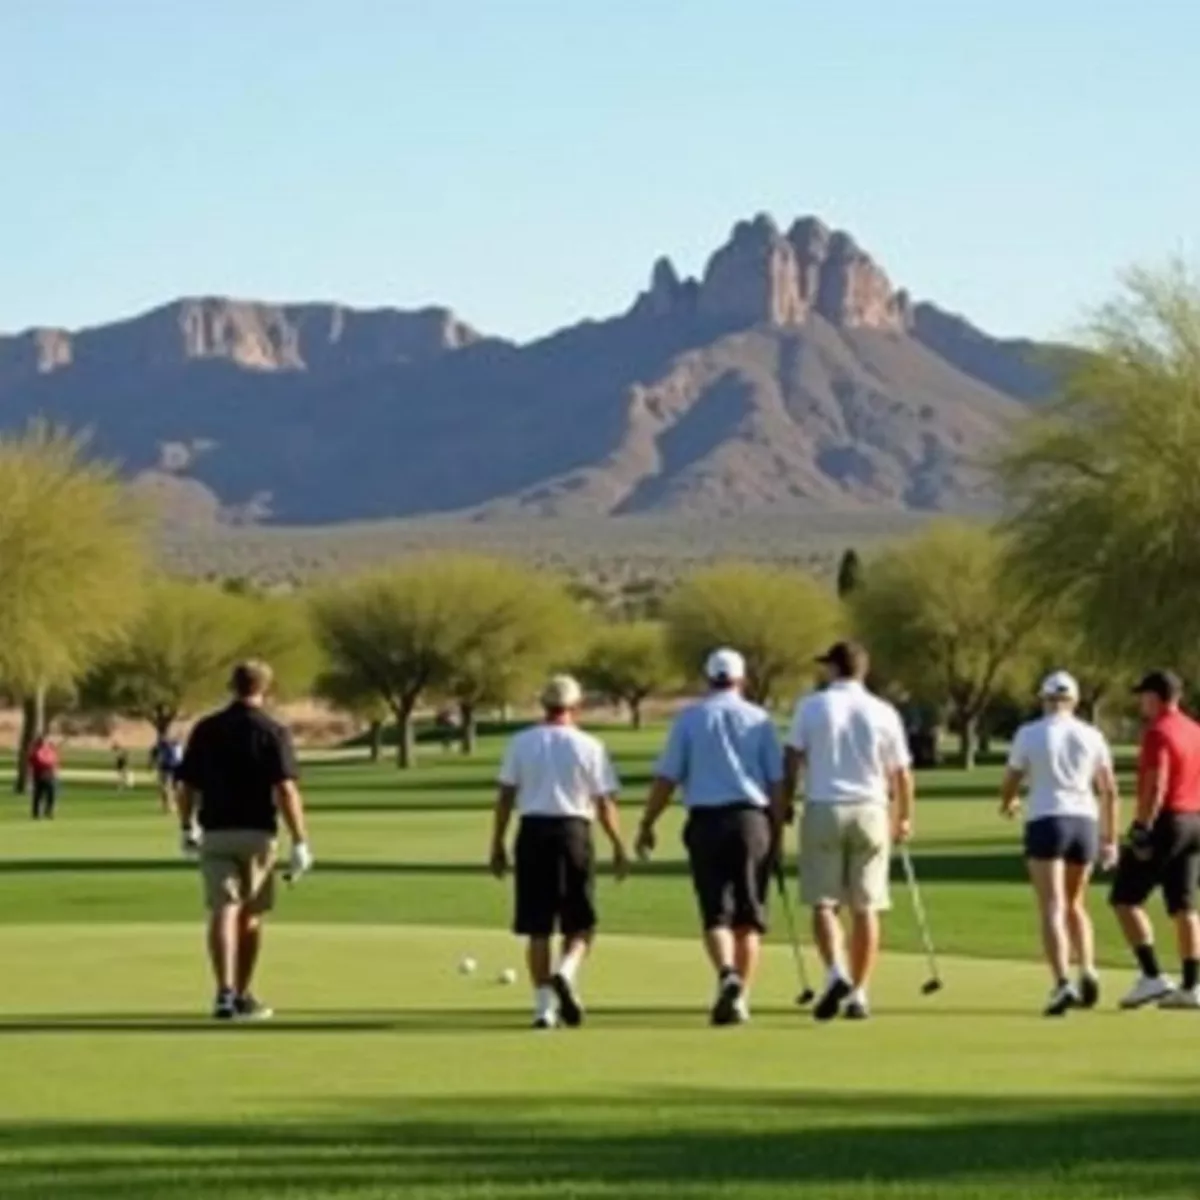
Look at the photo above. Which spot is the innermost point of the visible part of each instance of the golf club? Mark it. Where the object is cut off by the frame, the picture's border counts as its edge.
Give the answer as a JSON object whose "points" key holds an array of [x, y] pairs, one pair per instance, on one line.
{"points": [[934, 982], [807, 995]]}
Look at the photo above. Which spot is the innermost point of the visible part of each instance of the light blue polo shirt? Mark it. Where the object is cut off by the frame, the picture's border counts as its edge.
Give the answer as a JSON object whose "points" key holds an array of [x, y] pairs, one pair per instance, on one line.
{"points": [[723, 750]]}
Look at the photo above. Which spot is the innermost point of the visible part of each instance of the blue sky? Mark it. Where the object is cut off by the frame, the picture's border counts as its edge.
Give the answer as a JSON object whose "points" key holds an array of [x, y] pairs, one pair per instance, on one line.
{"points": [[524, 161]]}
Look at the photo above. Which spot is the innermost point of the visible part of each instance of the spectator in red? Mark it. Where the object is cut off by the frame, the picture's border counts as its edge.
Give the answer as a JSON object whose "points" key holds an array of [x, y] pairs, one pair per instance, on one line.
{"points": [[43, 772]]}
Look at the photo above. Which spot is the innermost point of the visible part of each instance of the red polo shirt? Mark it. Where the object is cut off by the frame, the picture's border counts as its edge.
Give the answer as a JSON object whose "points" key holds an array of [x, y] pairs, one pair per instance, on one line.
{"points": [[1172, 743]]}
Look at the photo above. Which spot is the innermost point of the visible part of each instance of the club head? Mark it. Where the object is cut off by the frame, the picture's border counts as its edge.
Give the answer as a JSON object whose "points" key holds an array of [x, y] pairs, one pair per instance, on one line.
{"points": [[930, 986], [806, 997]]}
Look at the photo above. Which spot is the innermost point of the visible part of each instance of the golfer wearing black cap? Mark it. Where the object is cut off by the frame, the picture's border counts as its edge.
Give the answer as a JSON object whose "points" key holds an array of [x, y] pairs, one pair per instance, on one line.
{"points": [[851, 747], [1163, 844]]}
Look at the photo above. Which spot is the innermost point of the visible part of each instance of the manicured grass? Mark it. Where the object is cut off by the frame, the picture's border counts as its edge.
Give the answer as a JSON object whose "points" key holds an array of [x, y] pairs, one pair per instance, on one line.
{"points": [[389, 1074]]}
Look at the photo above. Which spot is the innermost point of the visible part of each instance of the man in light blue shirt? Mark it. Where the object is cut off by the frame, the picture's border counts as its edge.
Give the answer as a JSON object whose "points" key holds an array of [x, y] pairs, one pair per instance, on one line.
{"points": [[724, 753]]}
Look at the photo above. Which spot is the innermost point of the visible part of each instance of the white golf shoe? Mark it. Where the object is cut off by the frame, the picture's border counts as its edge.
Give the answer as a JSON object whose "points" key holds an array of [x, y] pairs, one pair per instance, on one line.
{"points": [[1181, 998], [1147, 990], [1064, 998]]}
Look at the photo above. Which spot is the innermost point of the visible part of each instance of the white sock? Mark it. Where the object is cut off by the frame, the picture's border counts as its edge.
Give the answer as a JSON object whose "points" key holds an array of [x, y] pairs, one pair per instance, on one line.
{"points": [[835, 975], [572, 961], [858, 996], [543, 1002]]}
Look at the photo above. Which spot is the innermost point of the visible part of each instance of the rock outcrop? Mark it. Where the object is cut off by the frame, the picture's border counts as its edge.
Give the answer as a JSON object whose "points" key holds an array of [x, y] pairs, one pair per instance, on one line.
{"points": [[253, 336], [762, 276]]}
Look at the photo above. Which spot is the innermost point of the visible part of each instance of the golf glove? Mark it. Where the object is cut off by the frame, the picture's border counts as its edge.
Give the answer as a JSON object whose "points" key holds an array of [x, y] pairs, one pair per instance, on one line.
{"points": [[301, 861], [189, 841], [1141, 841]]}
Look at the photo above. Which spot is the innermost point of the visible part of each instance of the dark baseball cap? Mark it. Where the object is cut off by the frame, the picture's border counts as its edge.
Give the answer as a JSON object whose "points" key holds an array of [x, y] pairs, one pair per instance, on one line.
{"points": [[1166, 685], [848, 659]]}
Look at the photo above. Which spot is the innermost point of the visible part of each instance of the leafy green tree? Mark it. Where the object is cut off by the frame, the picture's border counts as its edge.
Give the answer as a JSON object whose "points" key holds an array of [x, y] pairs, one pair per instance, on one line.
{"points": [[1102, 486], [627, 662], [514, 624], [945, 619], [354, 695], [176, 658], [778, 618], [72, 560], [468, 627], [849, 574]]}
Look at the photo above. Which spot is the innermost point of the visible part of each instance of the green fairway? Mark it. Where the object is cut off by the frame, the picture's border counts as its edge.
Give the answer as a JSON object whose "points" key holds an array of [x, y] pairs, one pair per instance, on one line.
{"points": [[389, 1074]]}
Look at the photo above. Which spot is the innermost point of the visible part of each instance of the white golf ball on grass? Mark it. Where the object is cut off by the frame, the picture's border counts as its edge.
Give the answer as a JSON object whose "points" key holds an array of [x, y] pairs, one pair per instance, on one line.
{"points": [[467, 966], [508, 977]]}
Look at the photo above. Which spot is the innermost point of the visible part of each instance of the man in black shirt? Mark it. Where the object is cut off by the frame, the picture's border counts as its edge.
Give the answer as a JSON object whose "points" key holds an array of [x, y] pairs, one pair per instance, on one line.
{"points": [[238, 776]]}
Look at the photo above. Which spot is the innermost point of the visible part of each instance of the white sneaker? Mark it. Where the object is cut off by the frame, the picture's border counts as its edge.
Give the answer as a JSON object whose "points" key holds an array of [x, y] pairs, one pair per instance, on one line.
{"points": [[1062, 1000], [1147, 991], [1181, 998], [545, 1020], [741, 1010]]}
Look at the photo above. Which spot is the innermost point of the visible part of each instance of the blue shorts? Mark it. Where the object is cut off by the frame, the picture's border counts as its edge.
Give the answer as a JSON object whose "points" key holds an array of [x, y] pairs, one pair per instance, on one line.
{"points": [[1072, 839]]}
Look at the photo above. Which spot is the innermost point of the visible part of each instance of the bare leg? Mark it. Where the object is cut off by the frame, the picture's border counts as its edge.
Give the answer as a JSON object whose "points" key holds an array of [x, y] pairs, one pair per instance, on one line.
{"points": [[719, 944], [222, 944], [827, 933], [1047, 877], [538, 958], [1136, 927], [747, 942], [248, 945], [1079, 921], [574, 950], [1187, 929], [864, 947]]}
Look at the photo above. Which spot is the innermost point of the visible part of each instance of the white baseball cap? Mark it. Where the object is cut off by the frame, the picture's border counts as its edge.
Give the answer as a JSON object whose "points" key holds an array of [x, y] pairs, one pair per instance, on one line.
{"points": [[562, 692], [725, 664], [1059, 685]]}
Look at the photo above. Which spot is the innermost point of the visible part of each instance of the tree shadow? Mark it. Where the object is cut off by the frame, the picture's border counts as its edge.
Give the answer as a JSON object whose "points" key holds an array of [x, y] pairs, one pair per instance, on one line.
{"points": [[681, 1141]]}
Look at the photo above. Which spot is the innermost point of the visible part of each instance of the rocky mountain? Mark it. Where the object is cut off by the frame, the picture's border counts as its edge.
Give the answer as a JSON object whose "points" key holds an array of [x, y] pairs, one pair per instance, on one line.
{"points": [[791, 376]]}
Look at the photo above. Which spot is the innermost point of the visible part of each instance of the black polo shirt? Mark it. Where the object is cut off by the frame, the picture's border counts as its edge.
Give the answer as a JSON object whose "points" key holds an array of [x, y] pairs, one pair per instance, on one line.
{"points": [[235, 759]]}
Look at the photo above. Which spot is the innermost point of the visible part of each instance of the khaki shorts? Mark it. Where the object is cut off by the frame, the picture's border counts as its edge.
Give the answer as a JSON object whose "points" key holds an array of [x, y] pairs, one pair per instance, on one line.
{"points": [[844, 856], [238, 866]]}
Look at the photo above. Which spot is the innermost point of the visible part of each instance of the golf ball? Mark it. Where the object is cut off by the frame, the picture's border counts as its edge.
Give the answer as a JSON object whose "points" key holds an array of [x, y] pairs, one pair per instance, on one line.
{"points": [[467, 966], [508, 976]]}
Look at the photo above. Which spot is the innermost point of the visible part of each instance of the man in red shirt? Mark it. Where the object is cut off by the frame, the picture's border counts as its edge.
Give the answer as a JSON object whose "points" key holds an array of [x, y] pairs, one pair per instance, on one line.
{"points": [[43, 774], [1163, 845]]}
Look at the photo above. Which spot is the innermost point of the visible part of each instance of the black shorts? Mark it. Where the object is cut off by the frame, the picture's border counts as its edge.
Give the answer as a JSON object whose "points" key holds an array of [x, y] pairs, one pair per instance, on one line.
{"points": [[729, 849], [1072, 839], [554, 877], [1174, 865]]}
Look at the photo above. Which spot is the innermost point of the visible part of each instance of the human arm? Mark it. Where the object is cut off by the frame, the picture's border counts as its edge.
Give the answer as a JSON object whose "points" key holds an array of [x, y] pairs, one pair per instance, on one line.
{"points": [[794, 757], [661, 791], [506, 802], [606, 786], [1153, 772], [290, 804], [902, 791], [1014, 775], [1110, 812]]}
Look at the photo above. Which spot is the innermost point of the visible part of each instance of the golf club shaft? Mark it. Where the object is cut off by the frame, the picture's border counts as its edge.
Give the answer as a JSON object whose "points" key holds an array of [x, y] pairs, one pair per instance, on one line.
{"points": [[914, 892], [793, 932]]}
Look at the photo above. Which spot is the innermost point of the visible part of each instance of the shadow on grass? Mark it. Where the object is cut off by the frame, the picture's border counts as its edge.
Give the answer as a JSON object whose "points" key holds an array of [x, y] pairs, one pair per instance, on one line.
{"points": [[656, 1142]]}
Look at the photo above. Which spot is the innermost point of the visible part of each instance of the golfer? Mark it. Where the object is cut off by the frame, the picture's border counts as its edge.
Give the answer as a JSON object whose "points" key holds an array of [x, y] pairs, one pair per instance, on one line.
{"points": [[237, 778], [43, 777], [850, 747], [1064, 762], [559, 779], [167, 757], [1163, 845], [724, 753]]}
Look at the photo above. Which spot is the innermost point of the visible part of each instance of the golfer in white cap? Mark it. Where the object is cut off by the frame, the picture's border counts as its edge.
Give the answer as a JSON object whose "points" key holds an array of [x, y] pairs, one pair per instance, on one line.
{"points": [[1063, 762], [724, 753], [559, 779]]}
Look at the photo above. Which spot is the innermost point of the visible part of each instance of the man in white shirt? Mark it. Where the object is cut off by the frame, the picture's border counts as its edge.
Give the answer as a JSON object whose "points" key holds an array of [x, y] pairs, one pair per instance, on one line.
{"points": [[1064, 762], [852, 750], [559, 779]]}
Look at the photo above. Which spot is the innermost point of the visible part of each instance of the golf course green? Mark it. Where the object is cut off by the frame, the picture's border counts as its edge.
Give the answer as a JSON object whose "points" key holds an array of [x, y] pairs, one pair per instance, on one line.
{"points": [[389, 1073]]}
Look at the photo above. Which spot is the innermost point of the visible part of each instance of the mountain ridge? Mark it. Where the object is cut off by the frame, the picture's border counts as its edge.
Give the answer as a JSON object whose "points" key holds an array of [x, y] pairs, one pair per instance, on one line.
{"points": [[789, 375]]}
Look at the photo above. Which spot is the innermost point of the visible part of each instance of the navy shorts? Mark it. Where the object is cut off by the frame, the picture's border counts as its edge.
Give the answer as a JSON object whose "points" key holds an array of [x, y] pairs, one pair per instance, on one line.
{"points": [[1072, 839]]}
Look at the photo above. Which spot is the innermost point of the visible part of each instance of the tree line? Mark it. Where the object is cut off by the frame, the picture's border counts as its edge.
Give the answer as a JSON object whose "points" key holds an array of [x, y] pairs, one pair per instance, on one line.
{"points": [[1090, 566]]}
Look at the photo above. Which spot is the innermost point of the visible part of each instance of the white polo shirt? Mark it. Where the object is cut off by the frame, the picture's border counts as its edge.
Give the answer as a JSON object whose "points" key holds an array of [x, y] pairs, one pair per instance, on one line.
{"points": [[1060, 757], [852, 742], [558, 771]]}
